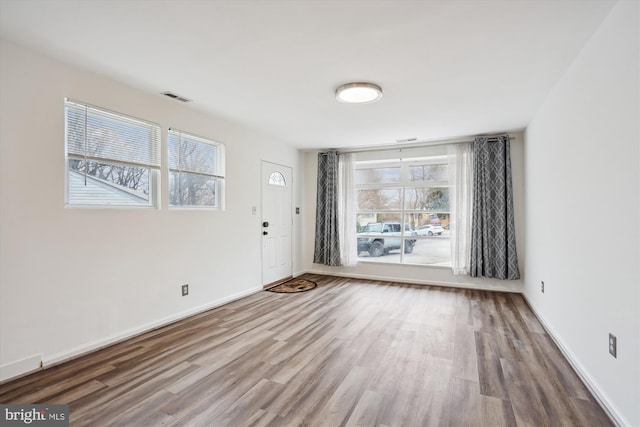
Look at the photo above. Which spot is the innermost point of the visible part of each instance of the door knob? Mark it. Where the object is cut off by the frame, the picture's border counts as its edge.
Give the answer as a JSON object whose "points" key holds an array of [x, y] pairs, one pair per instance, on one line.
{"points": [[265, 224], [264, 233]]}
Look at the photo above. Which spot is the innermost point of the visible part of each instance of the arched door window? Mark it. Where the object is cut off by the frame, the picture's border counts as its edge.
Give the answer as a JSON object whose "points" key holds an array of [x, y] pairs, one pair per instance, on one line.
{"points": [[276, 178]]}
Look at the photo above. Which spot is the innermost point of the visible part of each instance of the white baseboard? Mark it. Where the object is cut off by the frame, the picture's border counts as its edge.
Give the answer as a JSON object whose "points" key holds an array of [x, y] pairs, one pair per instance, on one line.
{"points": [[33, 363], [592, 385], [20, 367], [413, 281]]}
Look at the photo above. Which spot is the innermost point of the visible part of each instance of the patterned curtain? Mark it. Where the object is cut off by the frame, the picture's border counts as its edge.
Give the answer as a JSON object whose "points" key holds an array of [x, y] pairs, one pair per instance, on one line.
{"points": [[327, 246], [493, 237]]}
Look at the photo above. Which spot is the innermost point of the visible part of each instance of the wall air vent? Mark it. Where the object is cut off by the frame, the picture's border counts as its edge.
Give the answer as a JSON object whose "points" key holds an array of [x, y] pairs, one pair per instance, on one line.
{"points": [[176, 97]]}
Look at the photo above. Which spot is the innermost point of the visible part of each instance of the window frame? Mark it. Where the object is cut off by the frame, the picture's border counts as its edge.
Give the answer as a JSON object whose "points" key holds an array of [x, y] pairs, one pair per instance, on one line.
{"points": [[219, 175], [403, 185], [153, 166]]}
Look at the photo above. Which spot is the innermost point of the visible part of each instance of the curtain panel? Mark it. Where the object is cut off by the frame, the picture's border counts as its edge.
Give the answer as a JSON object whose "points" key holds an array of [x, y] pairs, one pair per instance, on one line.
{"points": [[327, 238], [347, 210], [460, 201], [493, 237]]}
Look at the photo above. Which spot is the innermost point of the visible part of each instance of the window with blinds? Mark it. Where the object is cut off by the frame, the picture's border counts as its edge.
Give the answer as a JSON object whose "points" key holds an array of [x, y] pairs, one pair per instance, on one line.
{"points": [[196, 171], [112, 159]]}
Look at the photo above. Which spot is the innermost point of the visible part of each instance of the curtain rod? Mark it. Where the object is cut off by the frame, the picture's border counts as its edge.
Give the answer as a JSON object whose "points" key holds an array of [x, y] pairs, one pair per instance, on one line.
{"points": [[422, 144]]}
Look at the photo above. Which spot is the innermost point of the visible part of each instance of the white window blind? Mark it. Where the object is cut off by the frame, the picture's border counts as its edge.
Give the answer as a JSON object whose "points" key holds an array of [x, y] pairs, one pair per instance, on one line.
{"points": [[112, 159], [196, 171]]}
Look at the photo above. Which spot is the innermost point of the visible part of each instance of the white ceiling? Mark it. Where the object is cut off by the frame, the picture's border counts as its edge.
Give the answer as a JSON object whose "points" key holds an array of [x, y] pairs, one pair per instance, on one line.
{"points": [[447, 68]]}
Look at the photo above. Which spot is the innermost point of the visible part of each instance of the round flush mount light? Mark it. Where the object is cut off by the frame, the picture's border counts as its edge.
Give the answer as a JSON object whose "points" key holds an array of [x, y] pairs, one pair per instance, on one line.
{"points": [[358, 93]]}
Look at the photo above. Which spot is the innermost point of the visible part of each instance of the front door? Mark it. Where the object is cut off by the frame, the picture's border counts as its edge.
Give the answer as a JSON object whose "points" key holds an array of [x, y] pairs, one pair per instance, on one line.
{"points": [[276, 223]]}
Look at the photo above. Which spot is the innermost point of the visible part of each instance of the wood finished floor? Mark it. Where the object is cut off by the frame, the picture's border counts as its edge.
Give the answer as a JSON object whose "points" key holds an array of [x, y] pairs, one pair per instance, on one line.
{"points": [[351, 352]]}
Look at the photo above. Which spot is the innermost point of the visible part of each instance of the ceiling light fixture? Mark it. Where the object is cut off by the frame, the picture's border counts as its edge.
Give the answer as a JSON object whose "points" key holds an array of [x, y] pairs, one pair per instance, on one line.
{"points": [[358, 93]]}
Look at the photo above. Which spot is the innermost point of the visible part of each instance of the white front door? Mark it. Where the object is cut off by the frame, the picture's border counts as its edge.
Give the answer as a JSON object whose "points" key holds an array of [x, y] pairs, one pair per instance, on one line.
{"points": [[276, 223]]}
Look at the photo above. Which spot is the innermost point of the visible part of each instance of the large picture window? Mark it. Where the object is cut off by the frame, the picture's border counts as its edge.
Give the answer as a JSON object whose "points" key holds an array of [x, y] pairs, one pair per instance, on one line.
{"points": [[196, 171], [403, 207], [112, 159]]}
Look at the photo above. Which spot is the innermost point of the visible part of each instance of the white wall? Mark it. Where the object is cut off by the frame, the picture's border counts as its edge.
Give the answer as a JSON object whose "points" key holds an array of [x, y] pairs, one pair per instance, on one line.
{"points": [[416, 273], [582, 198], [75, 279]]}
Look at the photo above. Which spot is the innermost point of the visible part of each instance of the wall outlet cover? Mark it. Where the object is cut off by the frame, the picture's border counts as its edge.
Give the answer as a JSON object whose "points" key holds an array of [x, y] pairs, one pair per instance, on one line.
{"points": [[613, 345]]}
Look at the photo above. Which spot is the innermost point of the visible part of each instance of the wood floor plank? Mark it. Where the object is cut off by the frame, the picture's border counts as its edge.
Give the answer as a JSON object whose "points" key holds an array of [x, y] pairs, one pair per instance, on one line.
{"points": [[305, 406], [491, 378], [527, 315], [342, 402], [307, 382], [558, 367], [496, 412], [288, 368], [589, 413], [351, 352], [366, 410], [118, 403], [421, 395], [524, 396], [75, 393], [465, 363], [141, 413], [248, 408], [49, 393], [463, 404]]}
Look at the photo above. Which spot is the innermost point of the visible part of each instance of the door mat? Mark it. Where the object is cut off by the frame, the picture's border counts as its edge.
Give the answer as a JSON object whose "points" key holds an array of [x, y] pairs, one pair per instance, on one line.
{"points": [[294, 285]]}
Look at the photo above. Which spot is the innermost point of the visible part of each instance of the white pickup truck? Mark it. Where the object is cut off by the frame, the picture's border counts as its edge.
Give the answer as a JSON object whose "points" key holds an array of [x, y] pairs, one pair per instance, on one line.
{"points": [[378, 238]]}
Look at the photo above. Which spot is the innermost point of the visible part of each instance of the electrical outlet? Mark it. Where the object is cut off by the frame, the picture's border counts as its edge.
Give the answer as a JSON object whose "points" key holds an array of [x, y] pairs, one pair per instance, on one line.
{"points": [[613, 345], [542, 287], [185, 290]]}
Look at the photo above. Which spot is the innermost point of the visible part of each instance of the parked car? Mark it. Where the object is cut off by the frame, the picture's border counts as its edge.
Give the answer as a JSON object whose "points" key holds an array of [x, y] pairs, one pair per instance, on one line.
{"points": [[430, 230], [379, 238]]}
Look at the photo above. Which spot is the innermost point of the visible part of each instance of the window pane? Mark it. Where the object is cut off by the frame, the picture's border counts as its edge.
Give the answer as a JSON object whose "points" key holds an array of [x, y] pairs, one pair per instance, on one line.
{"points": [[102, 183], [196, 170], [377, 175], [188, 189], [429, 251], [101, 134], [192, 155], [429, 173], [276, 178], [427, 199], [373, 222], [431, 239], [420, 221], [379, 234], [379, 199], [75, 127]]}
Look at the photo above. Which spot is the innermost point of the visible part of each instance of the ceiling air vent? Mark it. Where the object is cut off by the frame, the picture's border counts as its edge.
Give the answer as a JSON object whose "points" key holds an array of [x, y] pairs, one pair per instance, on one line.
{"points": [[407, 140], [176, 97]]}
